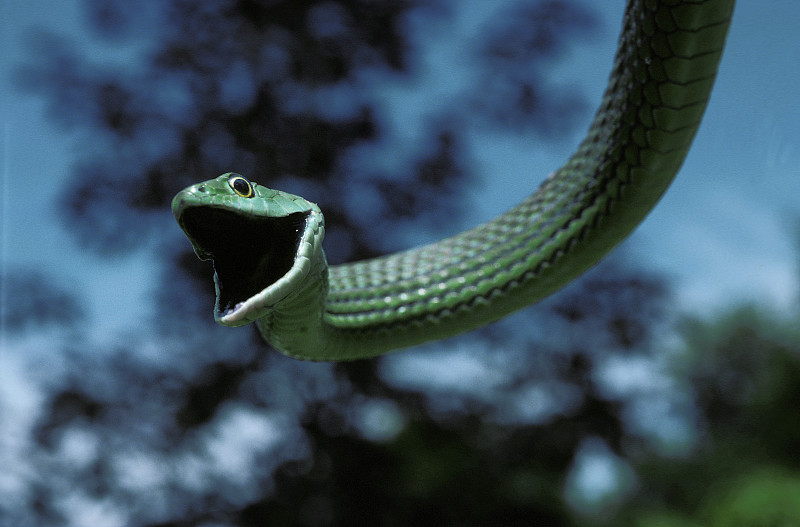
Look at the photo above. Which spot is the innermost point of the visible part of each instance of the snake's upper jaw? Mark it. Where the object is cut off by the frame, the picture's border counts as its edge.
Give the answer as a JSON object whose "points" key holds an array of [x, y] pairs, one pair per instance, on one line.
{"points": [[249, 253]]}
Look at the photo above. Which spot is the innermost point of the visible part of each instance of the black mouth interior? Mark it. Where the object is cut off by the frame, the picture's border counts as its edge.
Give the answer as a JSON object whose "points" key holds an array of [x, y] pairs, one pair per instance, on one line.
{"points": [[249, 253]]}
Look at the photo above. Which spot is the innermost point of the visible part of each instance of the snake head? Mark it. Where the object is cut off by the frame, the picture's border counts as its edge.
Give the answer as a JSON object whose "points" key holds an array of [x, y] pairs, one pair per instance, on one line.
{"points": [[260, 241]]}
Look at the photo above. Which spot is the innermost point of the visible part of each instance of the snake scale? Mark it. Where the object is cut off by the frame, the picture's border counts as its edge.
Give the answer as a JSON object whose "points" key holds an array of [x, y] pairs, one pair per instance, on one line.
{"points": [[266, 245]]}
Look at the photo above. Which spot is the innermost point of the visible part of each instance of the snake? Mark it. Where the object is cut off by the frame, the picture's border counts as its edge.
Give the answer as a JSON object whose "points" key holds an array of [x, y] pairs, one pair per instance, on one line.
{"points": [[266, 245]]}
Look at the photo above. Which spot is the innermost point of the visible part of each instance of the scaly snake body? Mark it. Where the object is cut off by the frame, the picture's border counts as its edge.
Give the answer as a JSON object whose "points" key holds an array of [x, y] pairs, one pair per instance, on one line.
{"points": [[267, 245]]}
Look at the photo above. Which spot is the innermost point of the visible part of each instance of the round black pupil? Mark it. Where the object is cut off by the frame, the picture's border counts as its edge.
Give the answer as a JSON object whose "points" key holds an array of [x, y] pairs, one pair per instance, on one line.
{"points": [[241, 186]]}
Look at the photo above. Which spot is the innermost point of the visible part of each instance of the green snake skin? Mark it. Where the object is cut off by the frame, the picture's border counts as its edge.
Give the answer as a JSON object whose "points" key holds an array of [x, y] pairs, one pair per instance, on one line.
{"points": [[267, 245]]}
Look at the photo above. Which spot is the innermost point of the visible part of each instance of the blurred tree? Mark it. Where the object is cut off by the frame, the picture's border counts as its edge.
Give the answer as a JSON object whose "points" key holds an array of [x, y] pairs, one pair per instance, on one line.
{"points": [[743, 370], [31, 299], [185, 423]]}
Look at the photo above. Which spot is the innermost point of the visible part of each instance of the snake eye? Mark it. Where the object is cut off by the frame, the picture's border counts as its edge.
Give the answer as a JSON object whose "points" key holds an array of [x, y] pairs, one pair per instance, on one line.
{"points": [[241, 186]]}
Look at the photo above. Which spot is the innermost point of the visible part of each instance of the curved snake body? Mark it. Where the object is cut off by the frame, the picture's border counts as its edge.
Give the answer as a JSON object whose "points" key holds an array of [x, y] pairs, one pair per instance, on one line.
{"points": [[267, 245]]}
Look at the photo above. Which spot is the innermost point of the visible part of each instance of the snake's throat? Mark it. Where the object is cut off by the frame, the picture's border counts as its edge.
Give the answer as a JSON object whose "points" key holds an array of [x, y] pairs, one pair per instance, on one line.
{"points": [[249, 253]]}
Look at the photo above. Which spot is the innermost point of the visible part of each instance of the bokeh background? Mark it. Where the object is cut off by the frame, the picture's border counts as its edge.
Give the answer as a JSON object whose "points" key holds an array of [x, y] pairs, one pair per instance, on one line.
{"points": [[661, 389]]}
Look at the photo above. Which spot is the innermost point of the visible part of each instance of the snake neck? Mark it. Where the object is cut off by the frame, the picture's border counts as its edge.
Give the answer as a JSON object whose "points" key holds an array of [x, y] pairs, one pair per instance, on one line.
{"points": [[301, 325], [295, 325]]}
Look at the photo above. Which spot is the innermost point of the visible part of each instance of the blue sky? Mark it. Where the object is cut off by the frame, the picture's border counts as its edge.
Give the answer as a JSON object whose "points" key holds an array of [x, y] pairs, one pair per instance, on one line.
{"points": [[726, 228], [725, 231]]}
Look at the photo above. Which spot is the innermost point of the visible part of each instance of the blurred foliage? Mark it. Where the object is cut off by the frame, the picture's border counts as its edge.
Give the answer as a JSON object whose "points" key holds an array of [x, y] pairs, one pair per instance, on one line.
{"points": [[32, 301], [743, 370], [181, 422]]}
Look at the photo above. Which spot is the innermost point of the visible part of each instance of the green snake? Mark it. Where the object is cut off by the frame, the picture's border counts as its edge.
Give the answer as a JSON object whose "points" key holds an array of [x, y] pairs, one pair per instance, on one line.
{"points": [[266, 245]]}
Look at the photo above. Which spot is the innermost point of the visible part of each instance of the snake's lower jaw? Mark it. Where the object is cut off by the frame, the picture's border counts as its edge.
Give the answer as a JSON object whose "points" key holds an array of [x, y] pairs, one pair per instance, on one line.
{"points": [[228, 311], [231, 316]]}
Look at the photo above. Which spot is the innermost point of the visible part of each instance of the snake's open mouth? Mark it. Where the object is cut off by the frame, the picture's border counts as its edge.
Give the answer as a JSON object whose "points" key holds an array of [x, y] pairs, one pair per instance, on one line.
{"points": [[249, 253]]}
